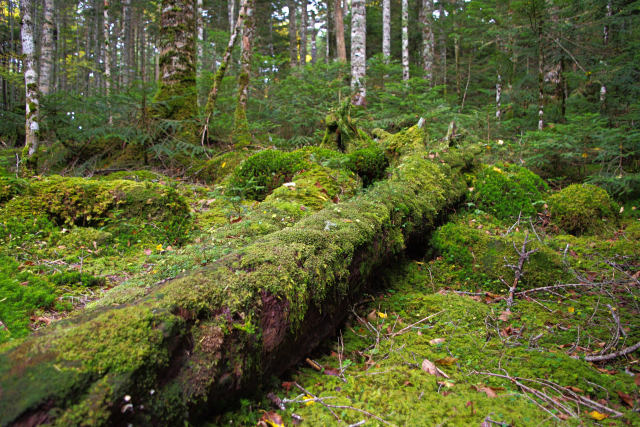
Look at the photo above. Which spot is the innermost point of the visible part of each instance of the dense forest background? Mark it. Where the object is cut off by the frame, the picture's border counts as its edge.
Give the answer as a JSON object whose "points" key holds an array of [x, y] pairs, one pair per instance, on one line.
{"points": [[550, 83]]}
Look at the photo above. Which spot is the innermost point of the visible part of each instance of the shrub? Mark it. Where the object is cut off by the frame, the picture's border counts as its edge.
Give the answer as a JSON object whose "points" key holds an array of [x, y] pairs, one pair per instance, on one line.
{"points": [[506, 190], [581, 208]]}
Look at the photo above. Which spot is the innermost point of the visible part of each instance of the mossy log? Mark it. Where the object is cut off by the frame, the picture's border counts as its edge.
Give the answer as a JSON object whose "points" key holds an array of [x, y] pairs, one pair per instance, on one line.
{"points": [[194, 344]]}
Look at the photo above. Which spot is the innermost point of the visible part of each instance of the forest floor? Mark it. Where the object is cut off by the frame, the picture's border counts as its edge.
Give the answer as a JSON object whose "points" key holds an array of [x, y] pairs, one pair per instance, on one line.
{"points": [[497, 322]]}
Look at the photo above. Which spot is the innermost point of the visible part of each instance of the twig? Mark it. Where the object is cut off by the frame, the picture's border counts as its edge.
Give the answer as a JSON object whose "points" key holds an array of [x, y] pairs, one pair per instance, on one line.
{"points": [[317, 399], [405, 329], [564, 285], [614, 355], [518, 270]]}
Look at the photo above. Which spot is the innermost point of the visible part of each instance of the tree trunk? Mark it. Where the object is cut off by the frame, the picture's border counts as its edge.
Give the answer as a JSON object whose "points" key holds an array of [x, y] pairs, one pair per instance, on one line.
{"points": [[231, 6], [32, 121], [200, 47], [303, 33], [222, 68], [358, 51], [241, 135], [176, 97], [314, 33], [46, 52], [107, 57], [405, 40], [194, 344], [443, 45], [340, 42], [456, 53], [386, 29], [499, 97], [540, 81], [127, 42], [428, 43], [605, 43], [293, 35]]}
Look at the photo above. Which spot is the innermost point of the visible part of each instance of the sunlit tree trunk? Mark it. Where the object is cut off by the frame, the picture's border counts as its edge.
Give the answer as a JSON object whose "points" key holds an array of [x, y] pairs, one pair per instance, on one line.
{"points": [[32, 124], [303, 33], [231, 10], [428, 42], [499, 97], [456, 54], [405, 40], [200, 46], [176, 96], [605, 43], [293, 34], [540, 80], [241, 135], [107, 56], [386, 29], [340, 43], [46, 52], [358, 51]]}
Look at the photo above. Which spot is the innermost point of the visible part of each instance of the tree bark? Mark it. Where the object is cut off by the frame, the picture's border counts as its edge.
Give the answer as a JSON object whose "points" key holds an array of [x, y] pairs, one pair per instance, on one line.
{"points": [[540, 80], [127, 59], [176, 97], [293, 34], [443, 45], [303, 33], [340, 42], [194, 344], [358, 51], [428, 42], [405, 40], [231, 6], [32, 120], [499, 97], [46, 52], [200, 47], [241, 135], [386, 29], [314, 34], [107, 57]]}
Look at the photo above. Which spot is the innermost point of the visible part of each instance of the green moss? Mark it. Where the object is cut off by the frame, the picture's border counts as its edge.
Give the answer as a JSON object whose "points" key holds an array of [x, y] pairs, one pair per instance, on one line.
{"points": [[582, 208], [341, 132], [219, 167], [136, 175], [507, 191], [11, 187]]}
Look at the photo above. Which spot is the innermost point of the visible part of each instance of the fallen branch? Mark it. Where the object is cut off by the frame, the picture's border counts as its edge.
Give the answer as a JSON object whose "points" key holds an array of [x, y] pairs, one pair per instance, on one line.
{"points": [[405, 329], [611, 356]]}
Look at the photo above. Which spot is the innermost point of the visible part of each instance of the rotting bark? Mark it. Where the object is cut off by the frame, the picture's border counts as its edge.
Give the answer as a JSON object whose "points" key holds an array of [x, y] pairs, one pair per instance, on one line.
{"points": [[195, 343]]}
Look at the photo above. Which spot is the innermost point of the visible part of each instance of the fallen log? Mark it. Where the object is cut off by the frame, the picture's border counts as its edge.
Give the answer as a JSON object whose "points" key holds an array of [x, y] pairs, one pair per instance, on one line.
{"points": [[194, 344]]}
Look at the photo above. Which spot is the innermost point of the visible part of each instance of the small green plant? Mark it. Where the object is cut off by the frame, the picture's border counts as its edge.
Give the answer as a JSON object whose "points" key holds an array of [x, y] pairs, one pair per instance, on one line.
{"points": [[582, 208]]}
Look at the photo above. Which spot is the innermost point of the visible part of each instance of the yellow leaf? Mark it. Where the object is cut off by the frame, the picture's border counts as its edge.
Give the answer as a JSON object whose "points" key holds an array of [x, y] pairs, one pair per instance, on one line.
{"points": [[382, 315], [158, 247], [585, 155], [597, 415], [223, 164], [497, 169], [309, 400], [571, 309]]}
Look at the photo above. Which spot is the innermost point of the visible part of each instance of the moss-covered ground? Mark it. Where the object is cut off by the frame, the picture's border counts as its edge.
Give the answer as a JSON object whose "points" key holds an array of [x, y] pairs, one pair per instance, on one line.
{"points": [[447, 313]]}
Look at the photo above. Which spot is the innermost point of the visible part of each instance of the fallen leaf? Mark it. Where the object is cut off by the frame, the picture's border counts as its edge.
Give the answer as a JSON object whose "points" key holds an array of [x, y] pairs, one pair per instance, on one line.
{"points": [[628, 400], [382, 315], [371, 317], [489, 391], [436, 341], [597, 415], [430, 368], [148, 251], [447, 361], [271, 419], [332, 372], [309, 400], [571, 309], [575, 389], [504, 316], [447, 384], [159, 247], [287, 385]]}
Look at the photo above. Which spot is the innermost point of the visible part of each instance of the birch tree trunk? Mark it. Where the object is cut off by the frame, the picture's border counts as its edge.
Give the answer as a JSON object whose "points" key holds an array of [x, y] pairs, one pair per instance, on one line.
{"points": [[126, 48], [605, 43], [358, 51], [32, 125], [499, 97], [46, 52], [386, 29], [314, 33], [107, 57], [428, 42], [231, 6], [293, 35], [540, 81], [405, 40], [303, 33], [241, 135], [199, 48], [340, 43]]}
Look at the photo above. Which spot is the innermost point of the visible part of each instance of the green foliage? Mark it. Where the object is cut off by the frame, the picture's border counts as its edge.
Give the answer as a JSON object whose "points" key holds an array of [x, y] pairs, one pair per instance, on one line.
{"points": [[582, 208], [507, 190]]}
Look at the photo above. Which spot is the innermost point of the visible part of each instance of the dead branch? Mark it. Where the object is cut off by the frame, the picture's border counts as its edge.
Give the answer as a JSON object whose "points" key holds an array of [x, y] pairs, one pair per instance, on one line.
{"points": [[523, 256], [405, 329], [614, 355]]}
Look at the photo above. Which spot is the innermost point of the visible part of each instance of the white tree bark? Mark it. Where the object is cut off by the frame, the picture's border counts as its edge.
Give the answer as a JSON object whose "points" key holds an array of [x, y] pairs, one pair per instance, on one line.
{"points": [[540, 82], [428, 42], [32, 125], [386, 29], [199, 47], [107, 55], [231, 5], [46, 52], [303, 33], [499, 97], [605, 42], [405, 40], [358, 51]]}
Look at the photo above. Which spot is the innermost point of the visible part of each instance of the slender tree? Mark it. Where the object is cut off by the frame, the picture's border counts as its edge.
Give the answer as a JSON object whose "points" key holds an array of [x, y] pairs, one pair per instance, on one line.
{"points": [[386, 29], [358, 51], [293, 34], [46, 51], [304, 14], [107, 56], [405, 40], [314, 34], [231, 8], [200, 45], [241, 135], [32, 122], [428, 42], [340, 42]]}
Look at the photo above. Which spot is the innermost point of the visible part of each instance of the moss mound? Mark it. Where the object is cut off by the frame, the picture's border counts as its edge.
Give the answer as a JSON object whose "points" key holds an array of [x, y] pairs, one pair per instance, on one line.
{"points": [[11, 187], [582, 208], [507, 190]]}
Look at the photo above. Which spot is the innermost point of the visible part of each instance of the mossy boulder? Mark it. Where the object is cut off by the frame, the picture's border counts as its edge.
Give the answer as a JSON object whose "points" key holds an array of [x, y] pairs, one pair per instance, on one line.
{"points": [[507, 191], [219, 167], [582, 209], [11, 187]]}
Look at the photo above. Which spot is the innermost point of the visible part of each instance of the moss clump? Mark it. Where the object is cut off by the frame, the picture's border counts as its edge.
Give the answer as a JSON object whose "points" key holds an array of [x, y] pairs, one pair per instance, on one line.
{"points": [[404, 142], [135, 175], [582, 208], [216, 169], [369, 163], [507, 190], [11, 187], [341, 133]]}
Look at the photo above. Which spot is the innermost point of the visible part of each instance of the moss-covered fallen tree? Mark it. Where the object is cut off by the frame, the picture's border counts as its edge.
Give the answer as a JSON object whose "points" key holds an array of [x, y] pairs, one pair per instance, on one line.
{"points": [[194, 343]]}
